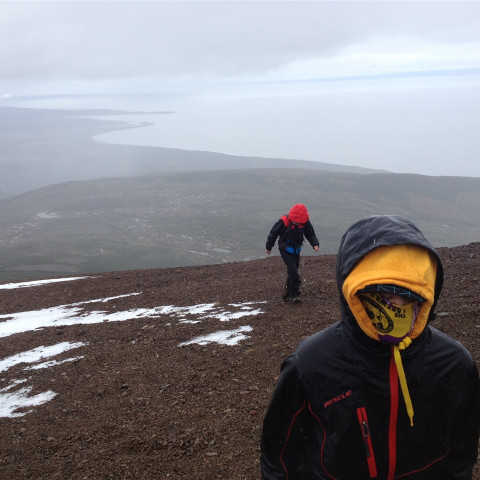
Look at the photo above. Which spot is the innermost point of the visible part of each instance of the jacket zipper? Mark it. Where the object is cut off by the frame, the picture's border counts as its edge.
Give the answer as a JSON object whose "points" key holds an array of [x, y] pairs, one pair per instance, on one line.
{"points": [[367, 441]]}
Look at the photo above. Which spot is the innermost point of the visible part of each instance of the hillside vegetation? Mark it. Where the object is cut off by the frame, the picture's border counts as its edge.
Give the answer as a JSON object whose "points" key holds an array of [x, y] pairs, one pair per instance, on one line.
{"points": [[196, 218]]}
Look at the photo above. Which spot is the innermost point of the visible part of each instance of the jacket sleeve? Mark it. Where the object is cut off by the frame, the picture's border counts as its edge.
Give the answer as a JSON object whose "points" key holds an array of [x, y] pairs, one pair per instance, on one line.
{"points": [[276, 231], [283, 446], [464, 438], [309, 233]]}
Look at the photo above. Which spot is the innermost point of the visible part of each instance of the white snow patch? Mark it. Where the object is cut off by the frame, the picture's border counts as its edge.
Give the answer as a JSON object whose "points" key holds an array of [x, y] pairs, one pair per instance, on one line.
{"points": [[225, 337], [11, 402], [16, 401], [73, 314], [224, 316], [48, 215], [36, 354], [209, 310], [36, 283], [53, 363], [65, 315]]}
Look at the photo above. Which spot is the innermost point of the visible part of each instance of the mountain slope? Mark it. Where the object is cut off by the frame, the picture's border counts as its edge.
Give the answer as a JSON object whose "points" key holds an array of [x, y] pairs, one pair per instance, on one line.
{"points": [[134, 401]]}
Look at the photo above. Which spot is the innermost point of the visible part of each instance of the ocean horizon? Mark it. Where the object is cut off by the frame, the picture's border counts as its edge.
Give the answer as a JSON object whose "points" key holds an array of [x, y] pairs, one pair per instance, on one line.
{"points": [[371, 123]]}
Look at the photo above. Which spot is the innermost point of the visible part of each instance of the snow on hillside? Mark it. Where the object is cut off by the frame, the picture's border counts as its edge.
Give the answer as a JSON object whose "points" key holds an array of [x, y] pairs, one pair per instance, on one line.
{"points": [[73, 314]]}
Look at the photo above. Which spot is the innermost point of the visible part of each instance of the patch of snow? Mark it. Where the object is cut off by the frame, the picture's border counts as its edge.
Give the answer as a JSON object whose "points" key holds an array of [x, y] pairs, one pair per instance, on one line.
{"points": [[224, 316], [48, 215], [208, 310], [246, 304], [36, 354], [53, 363], [36, 283], [10, 402], [104, 300], [225, 337], [15, 401], [73, 314]]}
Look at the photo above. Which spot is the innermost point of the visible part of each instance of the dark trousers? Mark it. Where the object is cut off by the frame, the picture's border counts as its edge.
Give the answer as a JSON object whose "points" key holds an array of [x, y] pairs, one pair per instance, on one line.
{"points": [[292, 262]]}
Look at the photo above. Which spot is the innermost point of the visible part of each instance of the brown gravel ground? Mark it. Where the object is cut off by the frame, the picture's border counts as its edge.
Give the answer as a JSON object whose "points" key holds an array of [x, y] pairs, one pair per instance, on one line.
{"points": [[139, 406]]}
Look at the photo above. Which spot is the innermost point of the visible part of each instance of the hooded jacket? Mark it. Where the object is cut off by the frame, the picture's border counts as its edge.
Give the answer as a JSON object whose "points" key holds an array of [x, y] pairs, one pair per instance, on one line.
{"points": [[338, 412], [291, 229]]}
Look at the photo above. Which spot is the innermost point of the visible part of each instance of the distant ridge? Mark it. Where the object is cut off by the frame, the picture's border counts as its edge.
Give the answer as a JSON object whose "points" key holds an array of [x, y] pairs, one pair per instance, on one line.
{"points": [[45, 147]]}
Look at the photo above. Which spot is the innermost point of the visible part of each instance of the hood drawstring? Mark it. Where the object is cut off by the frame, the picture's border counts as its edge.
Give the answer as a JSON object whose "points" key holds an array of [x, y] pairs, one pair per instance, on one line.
{"points": [[401, 375]]}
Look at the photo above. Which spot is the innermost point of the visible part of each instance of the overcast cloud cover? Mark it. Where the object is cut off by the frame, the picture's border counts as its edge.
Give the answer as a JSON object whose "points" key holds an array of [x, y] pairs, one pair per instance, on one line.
{"points": [[389, 84]]}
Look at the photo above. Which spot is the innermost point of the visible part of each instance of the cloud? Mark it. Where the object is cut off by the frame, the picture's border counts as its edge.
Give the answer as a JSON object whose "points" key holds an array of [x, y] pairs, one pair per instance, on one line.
{"points": [[399, 79], [104, 40]]}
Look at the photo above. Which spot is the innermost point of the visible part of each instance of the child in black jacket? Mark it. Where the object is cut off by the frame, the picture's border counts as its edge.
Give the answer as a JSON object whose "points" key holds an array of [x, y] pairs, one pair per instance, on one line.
{"points": [[381, 394], [290, 230]]}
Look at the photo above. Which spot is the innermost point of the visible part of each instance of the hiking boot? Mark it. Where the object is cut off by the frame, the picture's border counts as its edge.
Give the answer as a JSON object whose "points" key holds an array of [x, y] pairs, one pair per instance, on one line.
{"points": [[296, 299]]}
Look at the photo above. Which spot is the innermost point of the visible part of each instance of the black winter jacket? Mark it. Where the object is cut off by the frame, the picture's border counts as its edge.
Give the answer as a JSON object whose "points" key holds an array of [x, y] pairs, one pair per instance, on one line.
{"points": [[336, 412], [293, 237]]}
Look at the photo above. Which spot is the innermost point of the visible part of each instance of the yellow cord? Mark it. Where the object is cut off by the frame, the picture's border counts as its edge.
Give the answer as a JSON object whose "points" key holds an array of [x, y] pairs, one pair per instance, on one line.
{"points": [[406, 342], [401, 376]]}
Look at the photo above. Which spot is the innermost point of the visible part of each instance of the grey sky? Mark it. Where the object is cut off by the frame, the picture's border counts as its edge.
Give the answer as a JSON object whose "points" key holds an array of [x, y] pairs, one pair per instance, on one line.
{"points": [[88, 40], [120, 46]]}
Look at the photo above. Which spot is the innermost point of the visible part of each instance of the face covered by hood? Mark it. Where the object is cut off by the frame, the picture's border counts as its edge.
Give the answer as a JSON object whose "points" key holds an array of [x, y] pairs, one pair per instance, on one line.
{"points": [[385, 255]]}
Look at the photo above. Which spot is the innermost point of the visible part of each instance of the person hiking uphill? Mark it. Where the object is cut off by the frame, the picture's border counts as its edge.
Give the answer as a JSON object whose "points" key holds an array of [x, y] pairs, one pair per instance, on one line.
{"points": [[381, 394], [290, 230]]}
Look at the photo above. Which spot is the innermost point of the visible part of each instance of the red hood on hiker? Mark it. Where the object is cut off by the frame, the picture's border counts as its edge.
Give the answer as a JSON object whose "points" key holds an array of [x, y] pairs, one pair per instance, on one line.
{"points": [[298, 213], [291, 230]]}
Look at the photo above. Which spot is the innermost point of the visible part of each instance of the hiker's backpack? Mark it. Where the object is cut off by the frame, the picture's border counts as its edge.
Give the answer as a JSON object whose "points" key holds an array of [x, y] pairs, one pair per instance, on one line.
{"points": [[292, 238]]}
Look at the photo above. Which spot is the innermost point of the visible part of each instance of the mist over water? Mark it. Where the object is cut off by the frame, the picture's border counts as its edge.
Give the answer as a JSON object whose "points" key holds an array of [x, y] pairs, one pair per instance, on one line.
{"points": [[403, 125]]}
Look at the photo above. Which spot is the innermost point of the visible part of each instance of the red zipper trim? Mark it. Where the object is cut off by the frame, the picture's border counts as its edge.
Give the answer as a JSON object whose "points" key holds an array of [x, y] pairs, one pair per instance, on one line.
{"points": [[392, 428], [367, 441]]}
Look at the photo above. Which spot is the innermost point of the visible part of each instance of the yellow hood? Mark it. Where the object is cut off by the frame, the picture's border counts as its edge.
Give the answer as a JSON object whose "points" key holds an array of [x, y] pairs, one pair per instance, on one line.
{"points": [[405, 265]]}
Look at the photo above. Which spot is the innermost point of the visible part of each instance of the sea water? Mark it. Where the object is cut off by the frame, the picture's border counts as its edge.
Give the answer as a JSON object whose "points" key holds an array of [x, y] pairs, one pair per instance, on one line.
{"points": [[277, 121], [413, 125]]}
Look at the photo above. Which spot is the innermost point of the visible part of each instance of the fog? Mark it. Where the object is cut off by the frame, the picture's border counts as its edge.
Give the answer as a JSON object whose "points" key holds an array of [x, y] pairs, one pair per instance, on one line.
{"points": [[391, 85]]}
